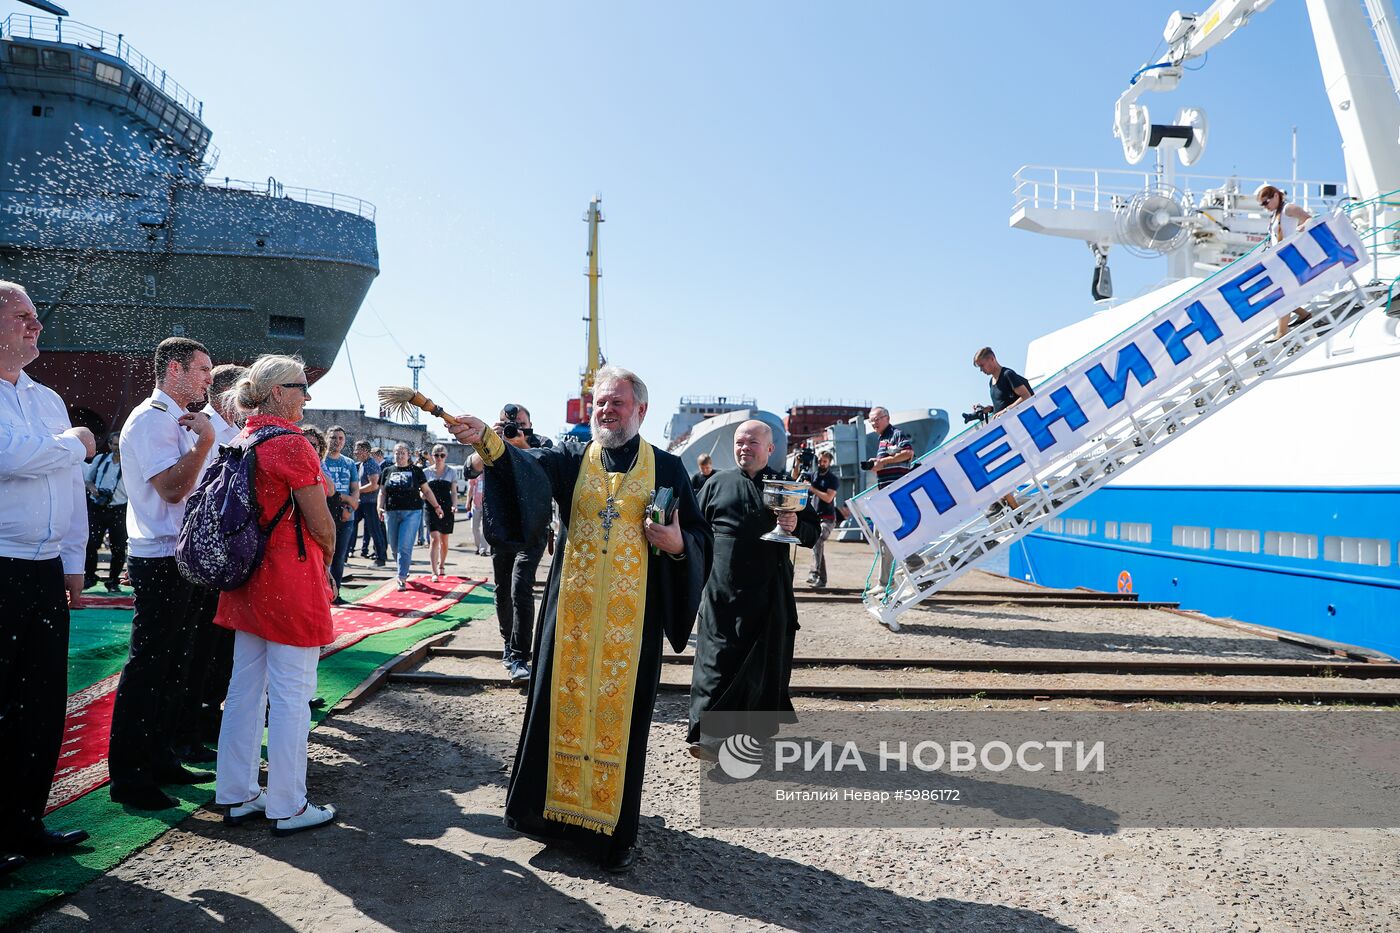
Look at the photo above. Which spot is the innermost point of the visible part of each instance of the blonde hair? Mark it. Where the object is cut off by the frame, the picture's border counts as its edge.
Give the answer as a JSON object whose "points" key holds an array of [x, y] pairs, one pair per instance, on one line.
{"points": [[252, 391]]}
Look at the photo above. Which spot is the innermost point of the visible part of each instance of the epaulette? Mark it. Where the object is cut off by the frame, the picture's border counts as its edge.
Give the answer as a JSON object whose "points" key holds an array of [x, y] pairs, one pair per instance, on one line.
{"points": [[158, 405]]}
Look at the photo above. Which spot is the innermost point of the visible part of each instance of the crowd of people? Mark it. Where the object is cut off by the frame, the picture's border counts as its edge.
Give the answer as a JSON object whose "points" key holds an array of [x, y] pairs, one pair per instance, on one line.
{"points": [[212, 666]]}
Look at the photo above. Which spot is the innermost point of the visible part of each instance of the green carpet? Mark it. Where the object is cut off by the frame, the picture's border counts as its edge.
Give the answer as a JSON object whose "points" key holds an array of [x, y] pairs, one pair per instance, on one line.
{"points": [[118, 832]]}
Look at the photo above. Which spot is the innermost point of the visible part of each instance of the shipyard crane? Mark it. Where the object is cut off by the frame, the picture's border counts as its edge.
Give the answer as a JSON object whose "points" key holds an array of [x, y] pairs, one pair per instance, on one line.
{"points": [[580, 409], [1086, 424]]}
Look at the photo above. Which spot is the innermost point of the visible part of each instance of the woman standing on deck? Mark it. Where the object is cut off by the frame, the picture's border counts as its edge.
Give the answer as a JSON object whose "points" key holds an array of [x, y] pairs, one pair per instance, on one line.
{"points": [[403, 488], [442, 480], [282, 616]]}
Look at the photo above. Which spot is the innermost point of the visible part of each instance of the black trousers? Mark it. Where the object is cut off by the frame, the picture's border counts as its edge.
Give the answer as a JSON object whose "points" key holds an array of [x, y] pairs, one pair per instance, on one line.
{"points": [[33, 690], [211, 665], [106, 521], [515, 596], [152, 685]]}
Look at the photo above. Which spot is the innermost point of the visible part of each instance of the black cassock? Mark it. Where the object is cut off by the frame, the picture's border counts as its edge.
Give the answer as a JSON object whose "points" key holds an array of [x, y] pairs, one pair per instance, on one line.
{"points": [[748, 617], [517, 511]]}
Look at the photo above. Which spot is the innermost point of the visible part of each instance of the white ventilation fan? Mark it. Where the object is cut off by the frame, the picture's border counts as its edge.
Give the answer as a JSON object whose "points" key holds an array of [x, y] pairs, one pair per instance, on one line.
{"points": [[1154, 222]]}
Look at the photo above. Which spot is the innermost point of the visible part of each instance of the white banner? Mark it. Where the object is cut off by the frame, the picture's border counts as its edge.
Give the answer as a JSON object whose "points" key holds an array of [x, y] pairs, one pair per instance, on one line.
{"points": [[1147, 361]]}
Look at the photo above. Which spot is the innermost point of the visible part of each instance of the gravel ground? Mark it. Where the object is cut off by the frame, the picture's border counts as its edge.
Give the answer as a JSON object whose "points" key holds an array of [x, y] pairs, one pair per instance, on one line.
{"points": [[419, 777]]}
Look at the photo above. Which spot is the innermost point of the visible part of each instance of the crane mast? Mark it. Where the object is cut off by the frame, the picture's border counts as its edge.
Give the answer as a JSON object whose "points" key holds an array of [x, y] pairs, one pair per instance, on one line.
{"points": [[580, 409]]}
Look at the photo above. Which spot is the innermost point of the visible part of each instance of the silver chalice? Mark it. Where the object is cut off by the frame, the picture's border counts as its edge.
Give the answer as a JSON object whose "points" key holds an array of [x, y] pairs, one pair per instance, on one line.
{"points": [[784, 496]]}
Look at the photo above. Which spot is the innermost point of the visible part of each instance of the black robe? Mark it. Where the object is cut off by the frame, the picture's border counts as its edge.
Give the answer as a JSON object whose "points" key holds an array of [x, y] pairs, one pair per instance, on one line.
{"points": [[517, 510], [748, 616]]}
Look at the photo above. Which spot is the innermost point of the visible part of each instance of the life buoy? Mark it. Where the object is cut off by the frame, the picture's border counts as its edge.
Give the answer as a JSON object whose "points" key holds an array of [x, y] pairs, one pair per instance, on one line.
{"points": [[1125, 582]]}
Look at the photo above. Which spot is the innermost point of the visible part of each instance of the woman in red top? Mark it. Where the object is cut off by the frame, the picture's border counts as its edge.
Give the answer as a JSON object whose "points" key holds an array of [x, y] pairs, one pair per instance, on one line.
{"points": [[281, 617]]}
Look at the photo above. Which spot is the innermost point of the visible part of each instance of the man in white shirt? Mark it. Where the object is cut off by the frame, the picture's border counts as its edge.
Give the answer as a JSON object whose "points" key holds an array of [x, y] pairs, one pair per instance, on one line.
{"points": [[165, 448], [43, 535], [106, 507]]}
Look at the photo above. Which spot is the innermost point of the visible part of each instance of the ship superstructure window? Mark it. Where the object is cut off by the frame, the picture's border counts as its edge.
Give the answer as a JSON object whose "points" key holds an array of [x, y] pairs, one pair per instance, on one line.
{"points": [[24, 55], [1192, 536], [279, 325], [108, 74], [1080, 527], [1110, 530], [1136, 532], [57, 60], [1055, 526], [1290, 544], [1237, 540], [150, 286], [1370, 552]]}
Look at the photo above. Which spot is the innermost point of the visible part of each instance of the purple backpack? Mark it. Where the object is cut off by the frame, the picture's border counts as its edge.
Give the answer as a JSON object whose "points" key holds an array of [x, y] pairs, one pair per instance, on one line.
{"points": [[221, 541]]}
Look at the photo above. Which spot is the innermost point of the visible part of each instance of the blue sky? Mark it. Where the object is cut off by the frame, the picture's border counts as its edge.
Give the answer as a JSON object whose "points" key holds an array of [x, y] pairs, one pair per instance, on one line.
{"points": [[803, 200]]}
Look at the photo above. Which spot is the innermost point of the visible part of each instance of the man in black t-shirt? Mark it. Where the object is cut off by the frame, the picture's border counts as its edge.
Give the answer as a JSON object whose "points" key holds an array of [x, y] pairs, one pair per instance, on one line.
{"points": [[1007, 387], [824, 487]]}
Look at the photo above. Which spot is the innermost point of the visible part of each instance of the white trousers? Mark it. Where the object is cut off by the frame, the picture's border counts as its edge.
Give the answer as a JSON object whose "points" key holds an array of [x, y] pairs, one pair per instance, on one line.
{"points": [[285, 676]]}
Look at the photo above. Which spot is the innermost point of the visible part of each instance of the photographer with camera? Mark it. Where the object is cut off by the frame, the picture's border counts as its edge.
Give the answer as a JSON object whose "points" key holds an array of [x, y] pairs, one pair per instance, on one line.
{"points": [[824, 486], [514, 568], [1007, 388], [106, 495], [894, 457]]}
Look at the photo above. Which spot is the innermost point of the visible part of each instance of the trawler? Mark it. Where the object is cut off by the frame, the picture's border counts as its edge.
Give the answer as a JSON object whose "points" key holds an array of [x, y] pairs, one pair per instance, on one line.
{"points": [[112, 217]]}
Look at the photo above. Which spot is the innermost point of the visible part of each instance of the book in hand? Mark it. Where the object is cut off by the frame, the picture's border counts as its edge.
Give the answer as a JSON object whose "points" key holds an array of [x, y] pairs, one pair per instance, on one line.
{"points": [[661, 509]]}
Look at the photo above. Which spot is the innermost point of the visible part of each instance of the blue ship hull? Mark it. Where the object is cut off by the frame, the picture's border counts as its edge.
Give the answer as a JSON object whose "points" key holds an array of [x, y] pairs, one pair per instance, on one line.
{"points": [[1333, 572]]}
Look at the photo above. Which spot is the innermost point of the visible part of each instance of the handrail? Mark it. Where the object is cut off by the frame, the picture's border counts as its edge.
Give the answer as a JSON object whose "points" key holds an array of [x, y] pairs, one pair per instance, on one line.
{"points": [[57, 29], [272, 188], [1097, 189]]}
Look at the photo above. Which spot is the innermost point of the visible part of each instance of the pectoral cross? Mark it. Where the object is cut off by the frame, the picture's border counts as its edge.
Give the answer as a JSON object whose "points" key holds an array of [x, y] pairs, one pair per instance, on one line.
{"points": [[608, 515]]}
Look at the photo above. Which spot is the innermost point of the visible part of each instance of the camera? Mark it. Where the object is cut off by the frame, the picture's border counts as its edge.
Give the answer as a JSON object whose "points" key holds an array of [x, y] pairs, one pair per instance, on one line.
{"points": [[981, 415], [511, 428], [103, 497], [806, 458]]}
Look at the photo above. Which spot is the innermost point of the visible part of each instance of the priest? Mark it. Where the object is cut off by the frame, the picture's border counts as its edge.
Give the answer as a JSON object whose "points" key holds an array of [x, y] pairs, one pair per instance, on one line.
{"points": [[618, 583], [748, 616]]}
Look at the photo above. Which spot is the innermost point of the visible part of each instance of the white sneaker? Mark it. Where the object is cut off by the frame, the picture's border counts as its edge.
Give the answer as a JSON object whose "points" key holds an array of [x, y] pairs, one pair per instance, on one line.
{"points": [[310, 817], [239, 813], [435, 578], [401, 584]]}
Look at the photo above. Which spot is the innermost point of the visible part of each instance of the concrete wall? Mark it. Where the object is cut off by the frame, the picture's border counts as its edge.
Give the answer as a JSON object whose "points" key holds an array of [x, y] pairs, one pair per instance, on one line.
{"points": [[381, 432]]}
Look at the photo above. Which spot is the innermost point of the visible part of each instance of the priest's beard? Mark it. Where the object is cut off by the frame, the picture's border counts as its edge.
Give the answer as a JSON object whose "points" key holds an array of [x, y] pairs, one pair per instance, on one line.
{"points": [[613, 437]]}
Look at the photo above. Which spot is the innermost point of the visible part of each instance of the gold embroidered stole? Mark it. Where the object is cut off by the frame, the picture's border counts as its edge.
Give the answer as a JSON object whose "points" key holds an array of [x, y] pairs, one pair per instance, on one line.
{"points": [[597, 641]]}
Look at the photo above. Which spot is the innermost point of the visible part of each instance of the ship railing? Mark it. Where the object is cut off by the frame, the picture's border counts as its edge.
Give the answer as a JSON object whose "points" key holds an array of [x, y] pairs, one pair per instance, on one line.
{"points": [[57, 29], [1094, 189], [273, 188]]}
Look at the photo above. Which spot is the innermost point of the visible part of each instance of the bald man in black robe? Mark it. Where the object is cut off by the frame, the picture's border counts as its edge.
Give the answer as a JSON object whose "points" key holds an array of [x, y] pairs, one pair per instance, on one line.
{"points": [[748, 615]]}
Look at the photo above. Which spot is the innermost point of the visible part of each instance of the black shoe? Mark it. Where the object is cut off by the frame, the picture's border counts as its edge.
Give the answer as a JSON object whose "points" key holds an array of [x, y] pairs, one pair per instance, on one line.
{"points": [[51, 841], [10, 862], [179, 774], [379, 563], [144, 798], [620, 863], [340, 601], [316, 703], [196, 754], [114, 587]]}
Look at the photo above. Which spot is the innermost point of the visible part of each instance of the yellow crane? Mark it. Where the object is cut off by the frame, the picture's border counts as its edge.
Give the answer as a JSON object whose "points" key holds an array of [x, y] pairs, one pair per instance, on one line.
{"points": [[580, 409]]}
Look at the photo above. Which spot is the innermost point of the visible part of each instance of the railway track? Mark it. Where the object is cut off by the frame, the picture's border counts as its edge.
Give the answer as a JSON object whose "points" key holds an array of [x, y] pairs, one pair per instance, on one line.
{"points": [[1331, 681]]}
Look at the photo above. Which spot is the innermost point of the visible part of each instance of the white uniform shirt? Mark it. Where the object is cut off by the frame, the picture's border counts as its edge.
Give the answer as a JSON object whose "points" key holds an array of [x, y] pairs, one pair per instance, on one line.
{"points": [[107, 475], [223, 431], [43, 511], [152, 442]]}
